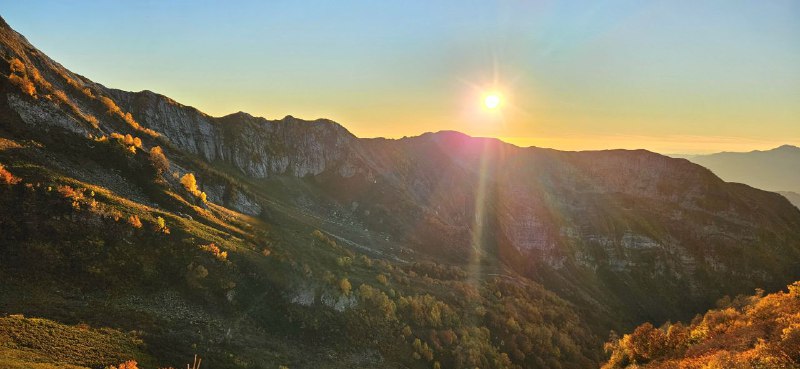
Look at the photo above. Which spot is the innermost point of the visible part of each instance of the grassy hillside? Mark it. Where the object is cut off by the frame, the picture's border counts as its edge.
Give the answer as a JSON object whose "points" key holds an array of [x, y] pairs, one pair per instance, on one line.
{"points": [[45, 344], [758, 331]]}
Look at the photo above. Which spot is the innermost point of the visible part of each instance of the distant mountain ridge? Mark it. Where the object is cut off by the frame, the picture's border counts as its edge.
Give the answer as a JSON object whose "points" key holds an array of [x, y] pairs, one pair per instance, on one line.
{"points": [[775, 170], [771, 170], [793, 197]]}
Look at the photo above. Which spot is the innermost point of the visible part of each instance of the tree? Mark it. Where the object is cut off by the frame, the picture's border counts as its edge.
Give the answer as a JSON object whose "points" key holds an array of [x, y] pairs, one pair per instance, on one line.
{"points": [[159, 160], [190, 183], [161, 225], [345, 286]]}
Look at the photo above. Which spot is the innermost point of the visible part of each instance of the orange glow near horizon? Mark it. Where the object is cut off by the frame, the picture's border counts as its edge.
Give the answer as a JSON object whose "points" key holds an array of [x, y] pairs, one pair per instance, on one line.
{"points": [[688, 145]]}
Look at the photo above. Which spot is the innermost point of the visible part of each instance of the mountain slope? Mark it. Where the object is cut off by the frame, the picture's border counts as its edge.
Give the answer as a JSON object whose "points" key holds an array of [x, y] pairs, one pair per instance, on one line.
{"points": [[320, 248], [553, 213], [755, 331]]}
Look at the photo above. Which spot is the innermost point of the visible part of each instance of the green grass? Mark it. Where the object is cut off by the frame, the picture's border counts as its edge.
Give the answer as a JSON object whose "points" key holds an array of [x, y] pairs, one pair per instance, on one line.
{"points": [[43, 343]]}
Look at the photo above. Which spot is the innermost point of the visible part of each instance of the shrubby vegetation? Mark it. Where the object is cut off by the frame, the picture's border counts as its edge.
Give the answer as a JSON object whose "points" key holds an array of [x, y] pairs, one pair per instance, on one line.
{"points": [[27, 78], [748, 332], [159, 160], [6, 177], [114, 110], [189, 182], [39, 343], [453, 321]]}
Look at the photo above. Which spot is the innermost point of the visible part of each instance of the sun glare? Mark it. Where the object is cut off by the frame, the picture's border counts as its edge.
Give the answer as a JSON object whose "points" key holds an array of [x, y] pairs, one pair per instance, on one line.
{"points": [[491, 101]]}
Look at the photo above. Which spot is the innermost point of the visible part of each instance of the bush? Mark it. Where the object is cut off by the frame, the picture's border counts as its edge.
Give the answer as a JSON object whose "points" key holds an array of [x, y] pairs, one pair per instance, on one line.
{"points": [[130, 364], [17, 66], [24, 84], [161, 225], [345, 286], [134, 221], [214, 250], [189, 182], [131, 143], [6, 177], [159, 160]]}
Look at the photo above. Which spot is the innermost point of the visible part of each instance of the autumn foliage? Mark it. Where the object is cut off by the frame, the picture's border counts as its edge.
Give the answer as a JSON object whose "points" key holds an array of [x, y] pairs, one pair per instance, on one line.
{"points": [[114, 110], [6, 177], [134, 221], [159, 160], [214, 250], [749, 332], [19, 77], [130, 364], [189, 182]]}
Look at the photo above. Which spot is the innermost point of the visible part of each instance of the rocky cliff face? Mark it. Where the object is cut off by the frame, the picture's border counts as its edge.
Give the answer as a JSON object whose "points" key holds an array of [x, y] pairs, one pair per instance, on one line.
{"points": [[259, 148]]}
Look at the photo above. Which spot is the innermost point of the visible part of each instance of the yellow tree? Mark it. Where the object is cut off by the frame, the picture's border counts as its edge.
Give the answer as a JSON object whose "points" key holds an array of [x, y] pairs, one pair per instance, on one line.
{"points": [[189, 182], [159, 160]]}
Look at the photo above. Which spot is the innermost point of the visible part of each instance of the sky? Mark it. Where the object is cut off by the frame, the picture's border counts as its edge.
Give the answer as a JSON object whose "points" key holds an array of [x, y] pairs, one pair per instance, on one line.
{"points": [[669, 76]]}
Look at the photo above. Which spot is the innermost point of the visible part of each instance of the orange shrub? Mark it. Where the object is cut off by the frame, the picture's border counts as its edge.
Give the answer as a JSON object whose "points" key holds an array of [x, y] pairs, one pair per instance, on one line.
{"points": [[6, 177], [159, 160], [61, 96], [214, 250], [17, 66], [130, 364], [129, 141], [134, 221], [23, 84], [111, 106], [68, 192], [92, 120]]}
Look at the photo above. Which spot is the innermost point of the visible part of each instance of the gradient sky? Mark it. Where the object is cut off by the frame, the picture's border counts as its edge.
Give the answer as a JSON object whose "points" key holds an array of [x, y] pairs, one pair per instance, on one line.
{"points": [[669, 76]]}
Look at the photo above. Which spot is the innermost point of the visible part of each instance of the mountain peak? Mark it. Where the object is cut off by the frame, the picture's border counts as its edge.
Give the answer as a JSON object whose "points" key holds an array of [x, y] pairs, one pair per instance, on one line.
{"points": [[786, 147]]}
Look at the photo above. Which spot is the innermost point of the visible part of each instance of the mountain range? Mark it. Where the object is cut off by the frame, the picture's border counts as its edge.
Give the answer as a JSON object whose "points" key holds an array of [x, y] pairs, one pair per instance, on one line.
{"points": [[258, 243], [771, 170]]}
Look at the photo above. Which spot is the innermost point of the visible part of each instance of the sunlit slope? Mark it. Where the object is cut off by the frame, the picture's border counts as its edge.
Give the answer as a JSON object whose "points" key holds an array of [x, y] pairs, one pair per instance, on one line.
{"points": [[44, 344], [758, 331]]}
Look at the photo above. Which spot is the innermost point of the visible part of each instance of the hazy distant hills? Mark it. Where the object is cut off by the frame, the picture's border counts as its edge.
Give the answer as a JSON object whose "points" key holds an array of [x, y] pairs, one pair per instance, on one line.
{"points": [[772, 170], [793, 197], [257, 243]]}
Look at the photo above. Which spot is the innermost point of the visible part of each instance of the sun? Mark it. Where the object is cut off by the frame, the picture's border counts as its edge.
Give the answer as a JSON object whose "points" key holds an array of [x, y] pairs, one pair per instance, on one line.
{"points": [[491, 101]]}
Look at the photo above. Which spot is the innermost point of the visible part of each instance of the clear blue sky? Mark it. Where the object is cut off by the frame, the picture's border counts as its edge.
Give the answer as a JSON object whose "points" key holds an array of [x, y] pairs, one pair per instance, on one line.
{"points": [[671, 76]]}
